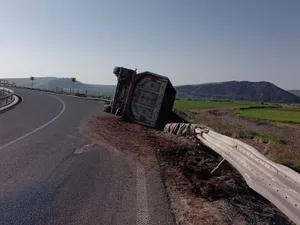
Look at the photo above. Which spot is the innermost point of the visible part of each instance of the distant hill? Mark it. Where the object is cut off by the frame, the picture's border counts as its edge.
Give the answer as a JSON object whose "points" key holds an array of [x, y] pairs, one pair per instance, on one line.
{"points": [[295, 92], [237, 90], [231, 90], [55, 83]]}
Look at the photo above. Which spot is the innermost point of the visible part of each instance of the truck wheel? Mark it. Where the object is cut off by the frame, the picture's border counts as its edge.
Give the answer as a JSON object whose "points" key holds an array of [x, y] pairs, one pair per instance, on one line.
{"points": [[118, 112], [107, 108], [113, 110]]}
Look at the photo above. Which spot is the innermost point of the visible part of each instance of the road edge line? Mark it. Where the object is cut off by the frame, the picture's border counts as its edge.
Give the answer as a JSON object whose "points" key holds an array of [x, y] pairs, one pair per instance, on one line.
{"points": [[38, 128], [142, 212]]}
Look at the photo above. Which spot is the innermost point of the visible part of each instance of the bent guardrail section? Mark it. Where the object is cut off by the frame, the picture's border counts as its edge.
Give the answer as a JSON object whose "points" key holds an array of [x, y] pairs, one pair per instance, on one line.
{"points": [[277, 183]]}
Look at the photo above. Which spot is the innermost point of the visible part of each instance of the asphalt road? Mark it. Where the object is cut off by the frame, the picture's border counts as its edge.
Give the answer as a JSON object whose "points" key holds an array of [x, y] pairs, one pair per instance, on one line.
{"points": [[44, 182]]}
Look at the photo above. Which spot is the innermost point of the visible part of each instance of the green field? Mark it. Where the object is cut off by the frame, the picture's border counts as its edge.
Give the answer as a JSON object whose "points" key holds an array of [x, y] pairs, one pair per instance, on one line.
{"points": [[250, 110], [281, 115], [198, 105], [192, 109]]}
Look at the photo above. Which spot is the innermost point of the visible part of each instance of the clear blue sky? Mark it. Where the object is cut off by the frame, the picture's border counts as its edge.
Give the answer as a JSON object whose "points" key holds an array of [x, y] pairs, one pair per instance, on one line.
{"points": [[188, 41]]}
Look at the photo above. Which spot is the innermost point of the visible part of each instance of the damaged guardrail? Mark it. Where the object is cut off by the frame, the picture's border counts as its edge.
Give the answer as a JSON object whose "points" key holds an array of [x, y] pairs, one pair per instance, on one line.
{"points": [[277, 183]]}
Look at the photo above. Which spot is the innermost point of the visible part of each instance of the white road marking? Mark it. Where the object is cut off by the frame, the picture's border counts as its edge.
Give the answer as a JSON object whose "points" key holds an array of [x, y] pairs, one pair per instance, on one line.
{"points": [[142, 214], [83, 149], [39, 128]]}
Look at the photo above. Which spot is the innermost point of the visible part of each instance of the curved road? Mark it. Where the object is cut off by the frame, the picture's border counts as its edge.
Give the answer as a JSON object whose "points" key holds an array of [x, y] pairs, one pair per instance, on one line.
{"points": [[44, 182]]}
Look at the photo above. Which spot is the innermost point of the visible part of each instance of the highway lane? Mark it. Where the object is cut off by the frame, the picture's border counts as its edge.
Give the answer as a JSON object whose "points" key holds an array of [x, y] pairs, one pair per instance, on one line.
{"points": [[44, 182], [23, 119]]}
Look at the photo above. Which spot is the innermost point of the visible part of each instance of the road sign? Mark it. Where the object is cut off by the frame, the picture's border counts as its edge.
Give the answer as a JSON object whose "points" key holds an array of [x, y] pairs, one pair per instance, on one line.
{"points": [[73, 81], [32, 79]]}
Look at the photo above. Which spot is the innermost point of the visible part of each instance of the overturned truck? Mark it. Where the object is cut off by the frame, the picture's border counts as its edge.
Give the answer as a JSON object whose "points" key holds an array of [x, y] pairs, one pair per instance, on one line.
{"points": [[145, 98]]}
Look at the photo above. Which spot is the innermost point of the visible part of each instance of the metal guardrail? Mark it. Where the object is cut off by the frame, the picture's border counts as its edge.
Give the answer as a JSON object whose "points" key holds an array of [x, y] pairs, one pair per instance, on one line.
{"points": [[80, 93], [277, 183], [6, 96], [76, 95]]}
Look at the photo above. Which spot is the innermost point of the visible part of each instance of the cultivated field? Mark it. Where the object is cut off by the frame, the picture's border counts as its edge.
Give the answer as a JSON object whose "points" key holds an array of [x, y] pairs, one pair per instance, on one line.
{"points": [[195, 105], [279, 115]]}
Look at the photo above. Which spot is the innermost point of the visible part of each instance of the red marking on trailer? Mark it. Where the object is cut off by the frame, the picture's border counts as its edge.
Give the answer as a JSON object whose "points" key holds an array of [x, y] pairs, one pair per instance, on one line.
{"points": [[142, 118], [128, 90], [136, 96]]}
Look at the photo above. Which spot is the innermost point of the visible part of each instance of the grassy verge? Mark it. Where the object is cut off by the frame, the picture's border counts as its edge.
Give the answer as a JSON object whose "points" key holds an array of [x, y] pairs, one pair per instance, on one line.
{"points": [[191, 110], [199, 105]]}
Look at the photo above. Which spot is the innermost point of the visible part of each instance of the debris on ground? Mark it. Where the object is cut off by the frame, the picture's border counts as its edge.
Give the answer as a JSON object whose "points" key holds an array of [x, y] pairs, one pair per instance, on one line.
{"points": [[196, 196]]}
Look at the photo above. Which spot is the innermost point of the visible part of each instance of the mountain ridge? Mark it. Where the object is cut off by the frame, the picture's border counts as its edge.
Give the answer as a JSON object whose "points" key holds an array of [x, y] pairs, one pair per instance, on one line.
{"points": [[58, 83], [262, 91], [295, 92]]}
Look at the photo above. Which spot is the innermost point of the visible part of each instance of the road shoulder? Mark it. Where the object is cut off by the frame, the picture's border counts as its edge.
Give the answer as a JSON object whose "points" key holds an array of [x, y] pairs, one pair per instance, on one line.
{"points": [[184, 165]]}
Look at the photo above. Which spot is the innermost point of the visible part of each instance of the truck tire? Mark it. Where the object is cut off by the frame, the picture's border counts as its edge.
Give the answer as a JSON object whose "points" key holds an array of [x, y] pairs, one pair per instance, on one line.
{"points": [[107, 108], [113, 110], [118, 112]]}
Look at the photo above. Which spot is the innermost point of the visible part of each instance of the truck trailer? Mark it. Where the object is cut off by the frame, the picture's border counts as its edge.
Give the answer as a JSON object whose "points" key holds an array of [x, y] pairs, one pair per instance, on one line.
{"points": [[145, 98]]}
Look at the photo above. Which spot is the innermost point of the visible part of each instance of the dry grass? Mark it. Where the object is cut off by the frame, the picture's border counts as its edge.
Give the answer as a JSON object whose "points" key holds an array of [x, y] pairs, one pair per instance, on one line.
{"points": [[277, 142]]}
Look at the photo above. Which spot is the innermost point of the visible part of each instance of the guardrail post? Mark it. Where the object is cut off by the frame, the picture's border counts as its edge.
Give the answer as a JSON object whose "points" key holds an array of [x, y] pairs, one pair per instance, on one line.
{"points": [[217, 167]]}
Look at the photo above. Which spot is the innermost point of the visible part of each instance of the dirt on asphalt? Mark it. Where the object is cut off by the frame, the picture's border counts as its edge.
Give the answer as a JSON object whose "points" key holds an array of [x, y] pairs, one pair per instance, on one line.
{"points": [[196, 196]]}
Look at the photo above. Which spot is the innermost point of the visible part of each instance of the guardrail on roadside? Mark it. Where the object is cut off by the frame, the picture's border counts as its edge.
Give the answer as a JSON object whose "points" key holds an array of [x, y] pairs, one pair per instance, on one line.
{"points": [[6, 96], [76, 95]]}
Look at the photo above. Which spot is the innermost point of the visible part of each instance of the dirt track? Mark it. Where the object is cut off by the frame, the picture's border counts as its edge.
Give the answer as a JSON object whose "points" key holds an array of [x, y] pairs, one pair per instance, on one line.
{"points": [[196, 197]]}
